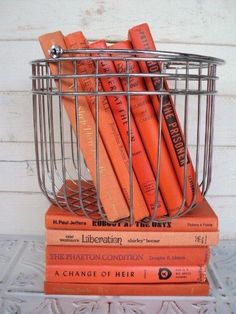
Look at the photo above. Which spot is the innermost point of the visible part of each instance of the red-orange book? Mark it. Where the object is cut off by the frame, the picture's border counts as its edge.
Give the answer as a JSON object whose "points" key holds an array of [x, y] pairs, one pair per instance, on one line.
{"points": [[140, 162], [112, 200], [170, 289], [130, 238], [124, 273], [141, 38], [148, 126], [108, 129], [200, 218], [68, 255]]}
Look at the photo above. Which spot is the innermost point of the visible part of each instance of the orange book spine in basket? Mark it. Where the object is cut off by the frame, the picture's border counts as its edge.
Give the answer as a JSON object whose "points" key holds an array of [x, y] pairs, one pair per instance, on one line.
{"points": [[141, 38], [108, 129], [148, 126], [119, 107], [114, 289], [124, 274], [147, 256], [112, 199]]}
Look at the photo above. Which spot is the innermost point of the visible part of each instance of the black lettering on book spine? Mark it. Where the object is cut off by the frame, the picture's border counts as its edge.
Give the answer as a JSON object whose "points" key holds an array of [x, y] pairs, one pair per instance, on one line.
{"points": [[167, 109]]}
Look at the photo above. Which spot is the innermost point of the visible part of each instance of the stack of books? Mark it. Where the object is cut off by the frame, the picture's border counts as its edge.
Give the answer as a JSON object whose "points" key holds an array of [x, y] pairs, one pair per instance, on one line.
{"points": [[89, 256], [85, 256]]}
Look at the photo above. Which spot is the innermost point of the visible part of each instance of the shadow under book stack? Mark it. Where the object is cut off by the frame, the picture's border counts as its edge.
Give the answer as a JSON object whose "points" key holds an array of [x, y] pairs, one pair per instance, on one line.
{"points": [[85, 256]]}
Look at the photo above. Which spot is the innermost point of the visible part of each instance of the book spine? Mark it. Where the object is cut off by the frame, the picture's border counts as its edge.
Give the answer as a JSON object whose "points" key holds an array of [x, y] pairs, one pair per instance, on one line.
{"points": [[58, 219], [112, 200], [141, 38], [124, 274], [65, 255], [170, 289], [148, 126], [119, 107], [108, 129], [129, 238]]}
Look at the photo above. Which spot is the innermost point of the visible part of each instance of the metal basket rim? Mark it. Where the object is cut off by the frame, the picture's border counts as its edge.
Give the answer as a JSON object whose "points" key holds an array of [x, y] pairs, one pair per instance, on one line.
{"points": [[165, 55]]}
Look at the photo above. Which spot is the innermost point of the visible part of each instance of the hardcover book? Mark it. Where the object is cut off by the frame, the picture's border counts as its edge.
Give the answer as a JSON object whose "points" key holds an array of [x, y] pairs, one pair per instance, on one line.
{"points": [[201, 218], [141, 38], [113, 200], [170, 289]]}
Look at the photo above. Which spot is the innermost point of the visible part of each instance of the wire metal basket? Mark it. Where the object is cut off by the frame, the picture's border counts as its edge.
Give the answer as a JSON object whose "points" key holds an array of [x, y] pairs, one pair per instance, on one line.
{"points": [[62, 173]]}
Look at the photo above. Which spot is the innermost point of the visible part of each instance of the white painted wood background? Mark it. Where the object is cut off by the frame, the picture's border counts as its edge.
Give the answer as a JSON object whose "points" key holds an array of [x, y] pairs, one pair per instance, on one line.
{"points": [[196, 26]]}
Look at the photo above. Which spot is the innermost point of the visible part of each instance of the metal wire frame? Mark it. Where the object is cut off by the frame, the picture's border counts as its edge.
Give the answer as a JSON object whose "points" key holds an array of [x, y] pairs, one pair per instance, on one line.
{"points": [[61, 169]]}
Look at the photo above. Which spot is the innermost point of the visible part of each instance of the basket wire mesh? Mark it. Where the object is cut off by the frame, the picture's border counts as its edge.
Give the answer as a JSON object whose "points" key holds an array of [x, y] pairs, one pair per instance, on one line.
{"points": [[62, 172]]}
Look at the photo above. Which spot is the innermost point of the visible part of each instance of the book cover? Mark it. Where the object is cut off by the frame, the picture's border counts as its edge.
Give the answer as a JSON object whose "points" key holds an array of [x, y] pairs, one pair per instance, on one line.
{"points": [[170, 289], [147, 256], [130, 238], [148, 126], [113, 200], [119, 107], [141, 38], [107, 128], [124, 273], [201, 218]]}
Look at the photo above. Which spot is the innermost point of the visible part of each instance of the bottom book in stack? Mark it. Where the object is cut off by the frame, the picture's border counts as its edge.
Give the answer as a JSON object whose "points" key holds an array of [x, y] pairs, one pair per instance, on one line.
{"points": [[94, 257]]}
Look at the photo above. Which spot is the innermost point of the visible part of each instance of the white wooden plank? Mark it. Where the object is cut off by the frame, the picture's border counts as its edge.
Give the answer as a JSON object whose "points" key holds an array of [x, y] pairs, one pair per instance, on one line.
{"points": [[225, 210], [24, 214], [15, 72], [16, 120], [18, 168], [188, 21]]}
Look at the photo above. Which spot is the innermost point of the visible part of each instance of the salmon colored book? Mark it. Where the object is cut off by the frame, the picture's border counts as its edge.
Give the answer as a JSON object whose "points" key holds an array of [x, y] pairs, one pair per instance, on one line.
{"points": [[170, 289], [124, 274], [130, 238], [108, 129], [201, 218], [148, 127], [147, 256], [118, 104], [111, 195], [141, 38]]}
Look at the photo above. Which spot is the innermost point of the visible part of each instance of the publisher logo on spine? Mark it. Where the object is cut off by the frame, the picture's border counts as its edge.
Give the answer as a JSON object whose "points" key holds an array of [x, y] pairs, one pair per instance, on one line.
{"points": [[164, 273]]}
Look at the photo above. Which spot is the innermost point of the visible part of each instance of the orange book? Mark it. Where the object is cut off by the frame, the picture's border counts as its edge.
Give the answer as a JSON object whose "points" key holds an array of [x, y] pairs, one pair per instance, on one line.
{"points": [[148, 126], [141, 38], [124, 273], [118, 104], [108, 129], [147, 256], [112, 199], [201, 218], [170, 289], [130, 238]]}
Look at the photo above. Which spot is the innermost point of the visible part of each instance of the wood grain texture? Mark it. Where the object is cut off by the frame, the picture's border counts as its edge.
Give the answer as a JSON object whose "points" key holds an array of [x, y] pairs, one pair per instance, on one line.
{"points": [[188, 21], [201, 27]]}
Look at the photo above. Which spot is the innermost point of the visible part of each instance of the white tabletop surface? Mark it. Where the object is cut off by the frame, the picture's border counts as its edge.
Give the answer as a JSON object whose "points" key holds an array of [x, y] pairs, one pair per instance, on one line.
{"points": [[22, 275]]}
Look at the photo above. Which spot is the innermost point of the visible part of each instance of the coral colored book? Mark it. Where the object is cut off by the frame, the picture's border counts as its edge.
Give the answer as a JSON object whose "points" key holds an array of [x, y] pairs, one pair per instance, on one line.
{"points": [[130, 238], [112, 199], [141, 38], [201, 218], [174, 256], [148, 126], [108, 129], [124, 273], [170, 289], [140, 162]]}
